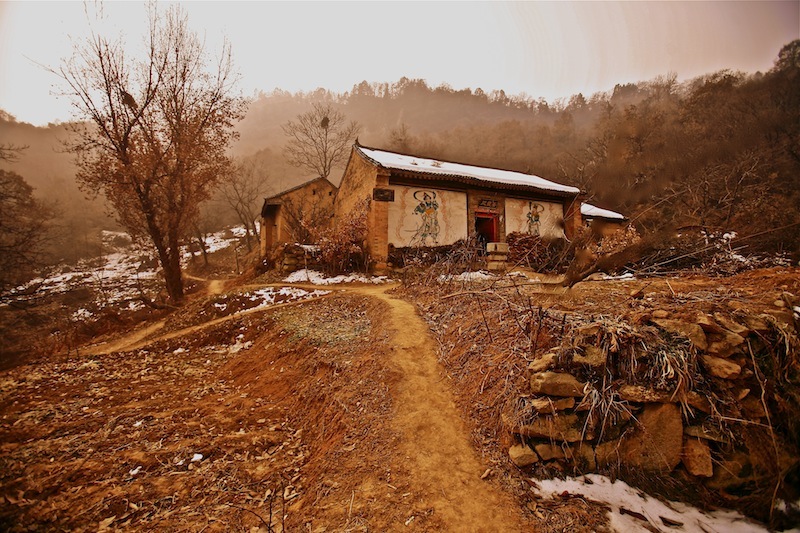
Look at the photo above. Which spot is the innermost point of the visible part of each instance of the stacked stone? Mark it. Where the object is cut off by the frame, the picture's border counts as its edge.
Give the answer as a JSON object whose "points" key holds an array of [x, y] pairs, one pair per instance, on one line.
{"points": [[497, 256], [294, 257], [569, 421]]}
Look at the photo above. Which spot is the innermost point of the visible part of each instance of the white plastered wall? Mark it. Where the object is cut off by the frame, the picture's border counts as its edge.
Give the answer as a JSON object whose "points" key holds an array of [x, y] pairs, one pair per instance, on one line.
{"points": [[426, 217], [535, 217]]}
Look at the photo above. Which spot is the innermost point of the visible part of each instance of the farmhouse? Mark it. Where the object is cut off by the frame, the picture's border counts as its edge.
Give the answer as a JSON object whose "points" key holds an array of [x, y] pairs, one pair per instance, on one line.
{"points": [[422, 202], [602, 221], [287, 217]]}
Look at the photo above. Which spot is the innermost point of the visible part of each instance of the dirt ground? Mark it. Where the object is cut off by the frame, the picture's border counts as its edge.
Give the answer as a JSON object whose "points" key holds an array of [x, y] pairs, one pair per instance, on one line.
{"points": [[330, 414]]}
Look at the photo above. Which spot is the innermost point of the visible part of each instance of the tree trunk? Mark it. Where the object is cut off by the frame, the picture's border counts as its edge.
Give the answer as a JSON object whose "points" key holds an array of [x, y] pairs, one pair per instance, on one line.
{"points": [[172, 276]]}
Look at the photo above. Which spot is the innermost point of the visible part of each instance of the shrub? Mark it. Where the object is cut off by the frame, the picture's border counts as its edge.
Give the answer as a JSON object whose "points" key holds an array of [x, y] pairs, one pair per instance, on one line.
{"points": [[341, 248]]}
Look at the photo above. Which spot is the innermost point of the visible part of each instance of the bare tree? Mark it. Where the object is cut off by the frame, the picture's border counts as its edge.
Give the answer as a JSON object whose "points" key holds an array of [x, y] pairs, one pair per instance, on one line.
{"points": [[242, 188], [10, 152], [154, 130], [319, 139], [400, 138]]}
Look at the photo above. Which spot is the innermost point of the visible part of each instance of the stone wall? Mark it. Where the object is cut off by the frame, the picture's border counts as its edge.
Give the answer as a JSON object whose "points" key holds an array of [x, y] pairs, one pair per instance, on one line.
{"points": [[671, 394]]}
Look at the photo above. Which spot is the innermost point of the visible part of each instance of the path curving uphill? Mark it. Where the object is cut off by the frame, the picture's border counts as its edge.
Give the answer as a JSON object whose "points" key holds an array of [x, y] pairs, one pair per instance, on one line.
{"points": [[435, 439]]}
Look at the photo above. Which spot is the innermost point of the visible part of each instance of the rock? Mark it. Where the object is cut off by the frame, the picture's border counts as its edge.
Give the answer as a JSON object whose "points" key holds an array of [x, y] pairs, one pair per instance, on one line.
{"points": [[660, 313], [522, 455], [699, 401], [779, 303], [742, 394], [707, 323], [697, 457], [759, 324], [548, 452], [549, 405], [641, 394], [545, 362], [592, 356], [733, 471], [705, 432], [732, 326], [655, 445], [582, 454], [719, 367], [556, 428], [753, 407], [556, 384], [691, 331], [724, 343]]}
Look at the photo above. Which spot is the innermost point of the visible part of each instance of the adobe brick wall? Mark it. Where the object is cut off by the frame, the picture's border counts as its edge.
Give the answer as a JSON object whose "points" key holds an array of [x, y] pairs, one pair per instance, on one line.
{"points": [[573, 219], [378, 229], [357, 183], [315, 197]]}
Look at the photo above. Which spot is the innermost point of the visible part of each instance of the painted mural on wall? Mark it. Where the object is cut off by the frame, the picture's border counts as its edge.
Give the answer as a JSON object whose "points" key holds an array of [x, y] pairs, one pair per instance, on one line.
{"points": [[426, 217], [535, 217]]}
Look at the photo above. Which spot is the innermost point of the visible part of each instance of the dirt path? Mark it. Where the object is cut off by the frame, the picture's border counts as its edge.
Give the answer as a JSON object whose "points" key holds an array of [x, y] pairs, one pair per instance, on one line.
{"points": [[215, 286], [436, 442], [144, 336], [128, 342]]}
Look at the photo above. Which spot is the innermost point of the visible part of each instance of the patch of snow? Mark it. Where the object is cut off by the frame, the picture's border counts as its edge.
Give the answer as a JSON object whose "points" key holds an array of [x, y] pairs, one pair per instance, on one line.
{"points": [[82, 314], [627, 276], [310, 248], [239, 346], [618, 494], [239, 231], [479, 275], [431, 166], [318, 278], [177, 351], [268, 294], [592, 211], [135, 471], [196, 458]]}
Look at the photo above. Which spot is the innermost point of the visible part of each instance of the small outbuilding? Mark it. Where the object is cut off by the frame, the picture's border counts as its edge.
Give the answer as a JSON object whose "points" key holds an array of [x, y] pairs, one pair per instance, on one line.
{"points": [[603, 222], [290, 216], [421, 202]]}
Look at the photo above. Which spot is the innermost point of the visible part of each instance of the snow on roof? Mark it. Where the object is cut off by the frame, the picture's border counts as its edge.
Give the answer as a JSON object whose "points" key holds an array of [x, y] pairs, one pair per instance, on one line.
{"points": [[443, 168], [591, 211]]}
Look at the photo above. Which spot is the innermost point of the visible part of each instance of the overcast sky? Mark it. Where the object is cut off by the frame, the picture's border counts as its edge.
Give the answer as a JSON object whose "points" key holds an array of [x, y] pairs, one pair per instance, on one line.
{"points": [[544, 49]]}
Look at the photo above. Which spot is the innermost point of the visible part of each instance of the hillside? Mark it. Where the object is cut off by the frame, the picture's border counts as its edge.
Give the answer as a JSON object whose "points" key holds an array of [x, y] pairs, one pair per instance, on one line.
{"points": [[265, 404], [717, 152]]}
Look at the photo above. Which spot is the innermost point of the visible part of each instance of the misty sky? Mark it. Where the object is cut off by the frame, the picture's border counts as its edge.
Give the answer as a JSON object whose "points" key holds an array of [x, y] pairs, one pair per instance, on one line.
{"points": [[544, 49]]}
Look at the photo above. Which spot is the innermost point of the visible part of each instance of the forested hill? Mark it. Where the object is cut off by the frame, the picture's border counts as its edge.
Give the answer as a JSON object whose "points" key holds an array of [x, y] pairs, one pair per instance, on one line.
{"points": [[720, 151]]}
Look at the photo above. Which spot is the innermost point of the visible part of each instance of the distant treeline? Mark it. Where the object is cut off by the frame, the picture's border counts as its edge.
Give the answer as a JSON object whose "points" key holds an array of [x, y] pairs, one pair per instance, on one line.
{"points": [[720, 152]]}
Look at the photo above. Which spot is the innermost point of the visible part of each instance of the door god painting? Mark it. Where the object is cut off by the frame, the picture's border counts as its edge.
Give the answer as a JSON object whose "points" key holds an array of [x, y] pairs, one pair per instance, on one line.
{"points": [[428, 211], [534, 212]]}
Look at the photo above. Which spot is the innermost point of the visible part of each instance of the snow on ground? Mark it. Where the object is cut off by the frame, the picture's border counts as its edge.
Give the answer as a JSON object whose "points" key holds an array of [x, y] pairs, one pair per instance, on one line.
{"points": [[480, 275], [627, 276], [120, 273], [116, 276], [318, 278], [271, 295], [620, 496], [220, 240]]}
